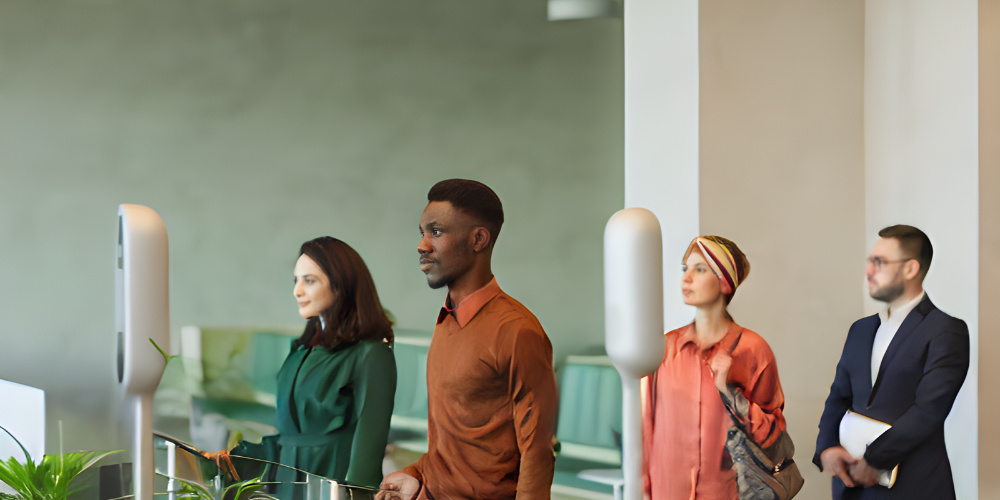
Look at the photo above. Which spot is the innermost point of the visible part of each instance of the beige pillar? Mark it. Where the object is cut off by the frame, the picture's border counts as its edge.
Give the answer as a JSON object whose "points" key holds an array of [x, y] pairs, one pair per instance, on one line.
{"points": [[782, 175], [989, 246]]}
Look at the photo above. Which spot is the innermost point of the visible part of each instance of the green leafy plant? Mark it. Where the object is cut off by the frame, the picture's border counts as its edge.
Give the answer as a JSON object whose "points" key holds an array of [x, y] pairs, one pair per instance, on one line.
{"points": [[49, 479], [242, 490]]}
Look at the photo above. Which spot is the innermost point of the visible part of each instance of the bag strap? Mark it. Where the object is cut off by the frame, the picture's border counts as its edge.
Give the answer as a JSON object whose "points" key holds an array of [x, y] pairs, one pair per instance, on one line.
{"points": [[743, 428], [728, 404], [735, 342]]}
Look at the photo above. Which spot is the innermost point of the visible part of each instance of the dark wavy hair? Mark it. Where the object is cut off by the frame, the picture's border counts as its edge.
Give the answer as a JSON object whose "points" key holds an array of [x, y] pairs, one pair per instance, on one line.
{"points": [[357, 313]]}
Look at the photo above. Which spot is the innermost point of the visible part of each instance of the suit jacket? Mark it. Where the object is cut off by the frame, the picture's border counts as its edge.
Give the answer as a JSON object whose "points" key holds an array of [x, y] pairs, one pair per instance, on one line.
{"points": [[921, 373]]}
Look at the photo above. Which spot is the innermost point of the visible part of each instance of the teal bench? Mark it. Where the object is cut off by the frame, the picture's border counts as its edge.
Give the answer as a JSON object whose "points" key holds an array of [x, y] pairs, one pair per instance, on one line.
{"points": [[408, 428], [589, 426], [224, 382]]}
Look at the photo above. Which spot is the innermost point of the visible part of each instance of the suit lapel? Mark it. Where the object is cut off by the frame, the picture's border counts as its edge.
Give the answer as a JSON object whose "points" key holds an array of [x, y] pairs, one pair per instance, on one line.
{"points": [[869, 342], [910, 324]]}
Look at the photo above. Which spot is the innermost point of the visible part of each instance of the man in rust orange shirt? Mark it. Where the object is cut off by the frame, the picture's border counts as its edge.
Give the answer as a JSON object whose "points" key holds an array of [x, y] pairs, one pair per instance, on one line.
{"points": [[490, 385]]}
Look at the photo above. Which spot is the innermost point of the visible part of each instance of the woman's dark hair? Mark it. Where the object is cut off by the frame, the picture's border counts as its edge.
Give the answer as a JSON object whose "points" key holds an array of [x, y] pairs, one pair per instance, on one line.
{"points": [[356, 313], [473, 198]]}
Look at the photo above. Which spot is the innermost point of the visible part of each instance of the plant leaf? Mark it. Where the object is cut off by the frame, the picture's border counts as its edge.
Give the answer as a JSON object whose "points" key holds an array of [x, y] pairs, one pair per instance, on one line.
{"points": [[23, 478], [98, 456], [26, 454], [165, 357], [242, 487], [198, 489]]}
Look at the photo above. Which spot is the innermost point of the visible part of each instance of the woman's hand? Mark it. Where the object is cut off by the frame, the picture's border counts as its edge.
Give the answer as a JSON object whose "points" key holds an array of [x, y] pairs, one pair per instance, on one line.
{"points": [[719, 364]]}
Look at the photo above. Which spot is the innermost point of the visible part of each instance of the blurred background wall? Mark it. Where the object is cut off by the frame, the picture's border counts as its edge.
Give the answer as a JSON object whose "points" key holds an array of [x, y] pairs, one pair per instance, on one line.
{"points": [[922, 166], [252, 126], [821, 123], [782, 174]]}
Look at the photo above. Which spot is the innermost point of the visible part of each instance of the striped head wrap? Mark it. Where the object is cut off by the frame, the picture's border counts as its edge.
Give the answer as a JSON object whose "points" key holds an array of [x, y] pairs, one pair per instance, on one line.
{"points": [[725, 259]]}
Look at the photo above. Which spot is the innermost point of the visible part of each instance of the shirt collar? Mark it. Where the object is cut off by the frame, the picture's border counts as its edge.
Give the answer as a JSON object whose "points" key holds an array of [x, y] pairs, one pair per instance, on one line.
{"points": [[469, 306], [901, 312], [688, 336]]}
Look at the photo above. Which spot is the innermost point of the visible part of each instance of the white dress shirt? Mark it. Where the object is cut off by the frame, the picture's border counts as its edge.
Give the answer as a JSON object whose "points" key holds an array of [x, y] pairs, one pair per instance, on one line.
{"points": [[891, 320], [887, 330]]}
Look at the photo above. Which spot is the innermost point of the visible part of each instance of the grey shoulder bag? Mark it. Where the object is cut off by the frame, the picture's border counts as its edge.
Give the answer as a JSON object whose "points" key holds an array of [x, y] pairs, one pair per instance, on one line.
{"points": [[761, 473]]}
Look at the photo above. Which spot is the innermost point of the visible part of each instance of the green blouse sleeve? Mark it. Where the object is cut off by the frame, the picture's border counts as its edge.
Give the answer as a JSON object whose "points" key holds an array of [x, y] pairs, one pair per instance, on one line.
{"points": [[374, 389]]}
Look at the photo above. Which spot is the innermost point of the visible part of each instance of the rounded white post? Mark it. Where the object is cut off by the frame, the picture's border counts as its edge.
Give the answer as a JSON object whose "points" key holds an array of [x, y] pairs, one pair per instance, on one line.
{"points": [[142, 313], [633, 321], [172, 485]]}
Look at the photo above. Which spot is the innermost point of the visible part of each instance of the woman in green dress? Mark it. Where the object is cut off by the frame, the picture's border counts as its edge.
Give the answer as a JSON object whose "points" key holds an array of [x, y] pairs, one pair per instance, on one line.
{"points": [[336, 387]]}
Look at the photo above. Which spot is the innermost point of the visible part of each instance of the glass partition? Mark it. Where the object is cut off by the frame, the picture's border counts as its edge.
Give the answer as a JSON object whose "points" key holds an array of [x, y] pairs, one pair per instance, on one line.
{"points": [[184, 474]]}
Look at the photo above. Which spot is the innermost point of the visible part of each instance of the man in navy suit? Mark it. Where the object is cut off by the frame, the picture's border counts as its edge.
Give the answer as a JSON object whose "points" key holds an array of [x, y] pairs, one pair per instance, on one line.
{"points": [[903, 366]]}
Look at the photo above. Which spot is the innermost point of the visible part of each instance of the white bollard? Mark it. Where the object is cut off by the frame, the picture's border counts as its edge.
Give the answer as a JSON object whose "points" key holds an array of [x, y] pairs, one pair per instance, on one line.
{"points": [[142, 312], [633, 321]]}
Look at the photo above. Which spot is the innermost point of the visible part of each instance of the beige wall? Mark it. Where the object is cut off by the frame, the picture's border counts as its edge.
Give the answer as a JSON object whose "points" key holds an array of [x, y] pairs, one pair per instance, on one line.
{"points": [[782, 174], [989, 246]]}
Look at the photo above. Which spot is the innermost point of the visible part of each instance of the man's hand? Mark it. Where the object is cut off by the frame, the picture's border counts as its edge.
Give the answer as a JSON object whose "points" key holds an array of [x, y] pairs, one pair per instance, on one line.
{"points": [[719, 364], [864, 474], [398, 486], [836, 461]]}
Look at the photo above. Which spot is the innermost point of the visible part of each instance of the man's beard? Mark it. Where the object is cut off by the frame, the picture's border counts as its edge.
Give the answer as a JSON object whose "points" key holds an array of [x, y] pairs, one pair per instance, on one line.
{"points": [[439, 282], [889, 292], [446, 276]]}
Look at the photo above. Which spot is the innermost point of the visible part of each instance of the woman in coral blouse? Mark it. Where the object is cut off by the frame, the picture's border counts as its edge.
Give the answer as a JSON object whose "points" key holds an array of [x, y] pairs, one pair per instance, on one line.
{"points": [[684, 418]]}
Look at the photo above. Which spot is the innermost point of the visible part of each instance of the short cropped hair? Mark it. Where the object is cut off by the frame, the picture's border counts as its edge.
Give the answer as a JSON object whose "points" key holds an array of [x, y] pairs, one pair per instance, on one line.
{"points": [[475, 199], [914, 243]]}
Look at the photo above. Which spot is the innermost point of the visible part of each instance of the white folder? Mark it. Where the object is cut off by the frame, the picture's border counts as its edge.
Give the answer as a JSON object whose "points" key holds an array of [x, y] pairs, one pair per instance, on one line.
{"points": [[857, 432]]}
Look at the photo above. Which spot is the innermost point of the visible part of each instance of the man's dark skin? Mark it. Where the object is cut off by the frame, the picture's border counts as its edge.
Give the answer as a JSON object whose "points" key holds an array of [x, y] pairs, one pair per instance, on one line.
{"points": [[455, 251]]}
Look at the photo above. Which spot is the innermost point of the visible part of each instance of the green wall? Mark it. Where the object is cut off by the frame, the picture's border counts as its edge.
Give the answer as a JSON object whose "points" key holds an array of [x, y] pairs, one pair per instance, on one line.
{"points": [[252, 126]]}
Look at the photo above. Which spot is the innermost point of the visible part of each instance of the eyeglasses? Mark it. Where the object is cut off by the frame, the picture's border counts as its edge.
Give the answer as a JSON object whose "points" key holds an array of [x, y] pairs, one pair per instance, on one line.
{"points": [[878, 262]]}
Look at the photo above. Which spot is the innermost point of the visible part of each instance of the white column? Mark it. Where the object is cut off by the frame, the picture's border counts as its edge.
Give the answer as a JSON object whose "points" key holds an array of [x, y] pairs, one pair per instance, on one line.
{"points": [[661, 130], [922, 166]]}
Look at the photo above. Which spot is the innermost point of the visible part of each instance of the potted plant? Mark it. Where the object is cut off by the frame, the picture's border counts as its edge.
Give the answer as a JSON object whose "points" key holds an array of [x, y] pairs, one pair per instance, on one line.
{"points": [[48, 479]]}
